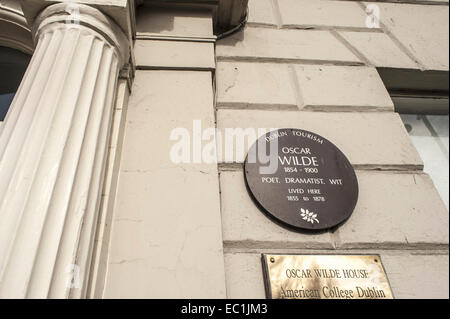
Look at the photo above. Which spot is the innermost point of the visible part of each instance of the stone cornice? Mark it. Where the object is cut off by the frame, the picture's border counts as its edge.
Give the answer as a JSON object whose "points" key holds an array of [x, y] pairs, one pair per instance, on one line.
{"points": [[227, 14]]}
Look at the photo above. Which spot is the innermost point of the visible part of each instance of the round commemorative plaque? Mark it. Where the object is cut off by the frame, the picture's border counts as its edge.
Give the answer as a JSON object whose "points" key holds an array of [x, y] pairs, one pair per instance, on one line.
{"points": [[301, 179]]}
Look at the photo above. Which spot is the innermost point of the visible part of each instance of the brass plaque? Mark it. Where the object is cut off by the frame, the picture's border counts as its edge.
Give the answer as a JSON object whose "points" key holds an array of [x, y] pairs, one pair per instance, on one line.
{"points": [[325, 277]]}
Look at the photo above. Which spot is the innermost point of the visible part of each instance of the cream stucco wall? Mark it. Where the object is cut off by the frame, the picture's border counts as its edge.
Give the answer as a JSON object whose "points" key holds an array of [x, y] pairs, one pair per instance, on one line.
{"points": [[163, 230], [305, 64]]}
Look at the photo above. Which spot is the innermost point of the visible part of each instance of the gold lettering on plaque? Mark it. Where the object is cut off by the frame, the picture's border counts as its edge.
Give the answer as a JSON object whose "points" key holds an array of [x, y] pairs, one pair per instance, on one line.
{"points": [[325, 277]]}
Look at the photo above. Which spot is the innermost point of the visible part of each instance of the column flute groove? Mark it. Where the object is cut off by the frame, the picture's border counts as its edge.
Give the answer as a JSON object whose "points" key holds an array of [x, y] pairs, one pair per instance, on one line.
{"points": [[53, 154]]}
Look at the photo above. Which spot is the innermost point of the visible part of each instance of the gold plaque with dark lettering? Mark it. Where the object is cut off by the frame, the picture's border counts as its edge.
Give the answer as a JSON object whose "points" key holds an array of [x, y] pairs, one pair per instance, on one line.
{"points": [[325, 277]]}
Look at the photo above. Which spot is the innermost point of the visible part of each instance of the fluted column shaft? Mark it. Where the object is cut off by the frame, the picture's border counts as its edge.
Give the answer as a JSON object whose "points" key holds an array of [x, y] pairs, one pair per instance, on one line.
{"points": [[53, 150]]}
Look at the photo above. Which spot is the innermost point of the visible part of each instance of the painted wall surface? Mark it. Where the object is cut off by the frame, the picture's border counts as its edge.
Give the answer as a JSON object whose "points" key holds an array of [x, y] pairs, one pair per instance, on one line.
{"points": [[191, 229]]}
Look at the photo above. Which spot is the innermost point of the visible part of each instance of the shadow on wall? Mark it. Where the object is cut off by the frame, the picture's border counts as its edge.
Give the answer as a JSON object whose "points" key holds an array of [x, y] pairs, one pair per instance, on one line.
{"points": [[234, 38], [151, 19], [154, 21]]}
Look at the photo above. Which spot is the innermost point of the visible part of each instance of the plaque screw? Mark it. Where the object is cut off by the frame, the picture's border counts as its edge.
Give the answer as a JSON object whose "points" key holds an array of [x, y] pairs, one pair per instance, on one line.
{"points": [[376, 260], [272, 260]]}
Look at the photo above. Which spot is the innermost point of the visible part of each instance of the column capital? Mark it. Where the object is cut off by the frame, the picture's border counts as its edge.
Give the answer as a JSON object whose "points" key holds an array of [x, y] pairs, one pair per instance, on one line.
{"points": [[114, 19], [74, 15]]}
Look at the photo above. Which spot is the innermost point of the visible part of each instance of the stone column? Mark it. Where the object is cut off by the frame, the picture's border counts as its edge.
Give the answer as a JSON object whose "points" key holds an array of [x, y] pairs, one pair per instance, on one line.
{"points": [[53, 150]]}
